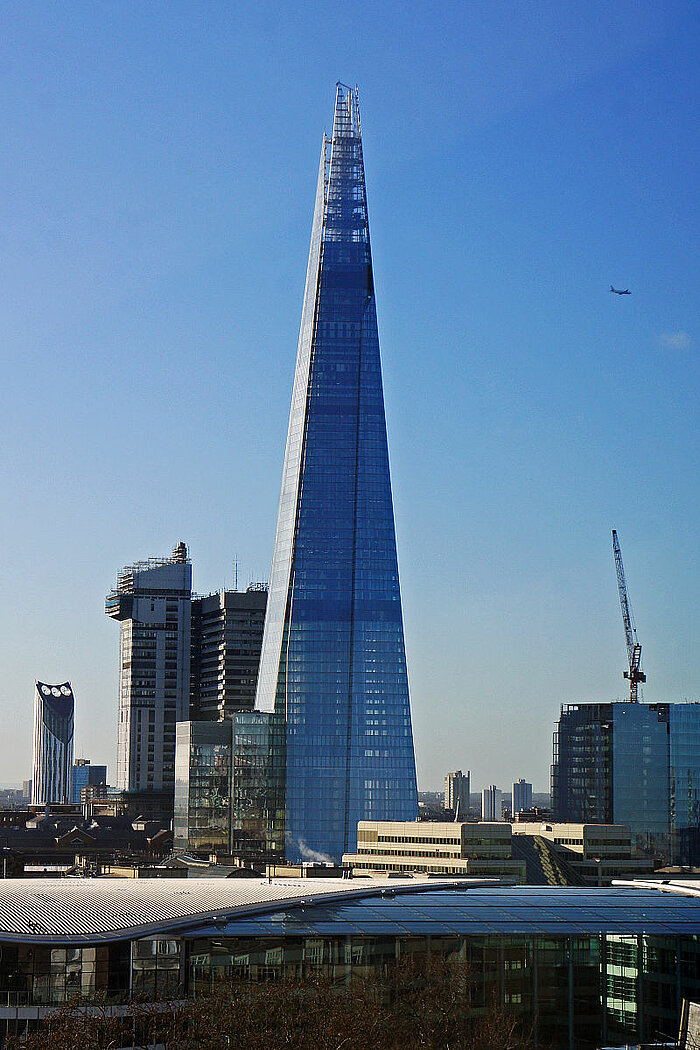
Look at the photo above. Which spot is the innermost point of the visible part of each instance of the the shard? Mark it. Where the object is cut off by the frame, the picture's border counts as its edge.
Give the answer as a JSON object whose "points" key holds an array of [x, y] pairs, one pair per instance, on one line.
{"points": [[333, 664]]}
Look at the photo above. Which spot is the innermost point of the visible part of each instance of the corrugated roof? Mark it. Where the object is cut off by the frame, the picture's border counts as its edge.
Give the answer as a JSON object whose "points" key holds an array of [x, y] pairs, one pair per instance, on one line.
{"points": [[72, 910]]}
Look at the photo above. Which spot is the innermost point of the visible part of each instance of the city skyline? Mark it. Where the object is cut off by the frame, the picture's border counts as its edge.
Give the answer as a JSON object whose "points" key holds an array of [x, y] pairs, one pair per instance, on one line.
{"points": [[158, 229]]}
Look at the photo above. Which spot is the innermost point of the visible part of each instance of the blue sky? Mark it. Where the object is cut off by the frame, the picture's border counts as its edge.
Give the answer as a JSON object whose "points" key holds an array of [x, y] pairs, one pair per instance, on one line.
{"points": [[159, 167]]}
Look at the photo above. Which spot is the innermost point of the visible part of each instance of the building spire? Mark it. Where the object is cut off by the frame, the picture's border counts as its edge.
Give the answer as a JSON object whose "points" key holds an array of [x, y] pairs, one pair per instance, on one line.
{"points": [[333, 662]]}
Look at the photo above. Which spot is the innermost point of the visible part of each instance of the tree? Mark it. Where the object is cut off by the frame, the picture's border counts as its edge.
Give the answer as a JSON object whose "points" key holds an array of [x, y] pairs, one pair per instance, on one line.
{"points": [[426, 1006]]}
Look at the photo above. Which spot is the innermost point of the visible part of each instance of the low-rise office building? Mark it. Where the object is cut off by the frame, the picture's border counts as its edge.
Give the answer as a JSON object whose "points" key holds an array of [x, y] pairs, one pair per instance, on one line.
{"points": [[432, 847], [596, 853], [579, 968]]}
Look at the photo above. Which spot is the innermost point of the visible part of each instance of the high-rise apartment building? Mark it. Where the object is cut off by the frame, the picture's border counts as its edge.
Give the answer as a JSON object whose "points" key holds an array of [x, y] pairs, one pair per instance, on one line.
{"points": [[634, 764], [457, 793], [53, 743], [491, 803], [227, 630], [83, 775], [333, 663], [152, 601], [521, 796]]}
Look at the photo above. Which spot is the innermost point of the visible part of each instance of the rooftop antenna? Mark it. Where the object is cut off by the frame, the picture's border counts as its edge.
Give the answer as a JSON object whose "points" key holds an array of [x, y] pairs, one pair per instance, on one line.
{"points": [[235, 572]]}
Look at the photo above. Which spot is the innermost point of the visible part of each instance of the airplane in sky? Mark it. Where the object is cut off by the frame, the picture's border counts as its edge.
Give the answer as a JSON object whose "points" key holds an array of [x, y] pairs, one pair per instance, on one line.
{"points": [[620, 291]]}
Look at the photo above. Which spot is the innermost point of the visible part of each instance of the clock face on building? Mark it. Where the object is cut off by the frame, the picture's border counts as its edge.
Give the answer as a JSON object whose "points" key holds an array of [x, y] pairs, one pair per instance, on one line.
{"points": [[56, 691], [65, 690], [46, 690]]}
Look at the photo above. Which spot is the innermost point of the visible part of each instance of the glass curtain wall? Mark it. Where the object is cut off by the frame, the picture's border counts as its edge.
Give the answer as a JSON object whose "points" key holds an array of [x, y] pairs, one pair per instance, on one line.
{"points": [[684, 731], [333, 662], [641, 773]]}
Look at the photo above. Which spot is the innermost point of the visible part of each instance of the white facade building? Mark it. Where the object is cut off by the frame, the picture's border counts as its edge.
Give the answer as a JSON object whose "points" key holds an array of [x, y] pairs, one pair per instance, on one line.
{"points": [[492, 803], [457, 793], [521, 797], [152, 600]]}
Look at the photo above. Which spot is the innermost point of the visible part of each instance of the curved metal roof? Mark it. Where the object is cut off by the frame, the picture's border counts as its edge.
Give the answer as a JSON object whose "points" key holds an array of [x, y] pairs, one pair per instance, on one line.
{"points": [[68, 911], [74, 911]]}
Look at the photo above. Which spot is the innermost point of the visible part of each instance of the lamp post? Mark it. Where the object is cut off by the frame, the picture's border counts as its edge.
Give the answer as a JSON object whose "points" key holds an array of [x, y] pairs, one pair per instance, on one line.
{"points": [[599, 862]]}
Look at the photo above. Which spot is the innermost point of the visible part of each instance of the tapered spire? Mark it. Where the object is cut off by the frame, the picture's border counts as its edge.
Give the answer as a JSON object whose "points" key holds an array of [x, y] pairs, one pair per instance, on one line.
{"points": [[333, 661]]}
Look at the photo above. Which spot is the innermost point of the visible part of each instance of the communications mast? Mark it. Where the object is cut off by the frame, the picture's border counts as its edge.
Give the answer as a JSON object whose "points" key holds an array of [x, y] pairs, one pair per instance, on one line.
{"points": [[634, 647]]}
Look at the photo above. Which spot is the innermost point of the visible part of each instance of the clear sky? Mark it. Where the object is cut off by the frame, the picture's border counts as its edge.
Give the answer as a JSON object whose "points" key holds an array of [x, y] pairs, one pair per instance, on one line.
{"points": [[158, 175]]}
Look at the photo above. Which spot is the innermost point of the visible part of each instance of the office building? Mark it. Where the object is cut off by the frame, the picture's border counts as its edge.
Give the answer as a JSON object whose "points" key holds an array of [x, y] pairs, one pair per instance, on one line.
{"points": [[611, 765], [521, 797], [84, 774], [684, 782], [152, 602], [227, 630], [457, 794], [53, 743], [258, 809], [333, 663], [434, 847], [491, 803], [578, 854], [576, 968], [203, 770]]}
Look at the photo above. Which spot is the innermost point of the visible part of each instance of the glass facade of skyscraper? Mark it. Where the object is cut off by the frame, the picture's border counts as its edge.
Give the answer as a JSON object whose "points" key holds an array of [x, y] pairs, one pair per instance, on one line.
{"points": [[684, 722], [640, 773], [202, 803], [258, 809], [333, 661], [634, 764]]}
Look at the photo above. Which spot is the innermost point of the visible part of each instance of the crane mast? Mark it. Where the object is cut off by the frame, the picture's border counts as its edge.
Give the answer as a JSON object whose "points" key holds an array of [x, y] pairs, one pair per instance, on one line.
{"points": [[635, 675]]}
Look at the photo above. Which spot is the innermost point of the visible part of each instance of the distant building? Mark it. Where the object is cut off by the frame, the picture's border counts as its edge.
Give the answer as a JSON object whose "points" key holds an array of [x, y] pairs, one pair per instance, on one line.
{"points": [[152, 601], [203, 768], [454, 848], [633, 764], [227, 631], [457, 793], [595, 853], [84, 774], [53, 742], [27, 790], [92, 793], [521, 797], [491, 803]]}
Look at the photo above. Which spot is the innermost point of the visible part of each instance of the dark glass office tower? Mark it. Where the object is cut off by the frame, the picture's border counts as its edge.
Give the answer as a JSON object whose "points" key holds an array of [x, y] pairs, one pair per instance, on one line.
{"points": [[333, 661]]}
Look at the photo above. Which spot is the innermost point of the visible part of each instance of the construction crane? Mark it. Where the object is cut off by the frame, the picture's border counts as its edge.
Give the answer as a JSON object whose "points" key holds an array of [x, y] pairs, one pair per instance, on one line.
{"points": [[634, 647]]}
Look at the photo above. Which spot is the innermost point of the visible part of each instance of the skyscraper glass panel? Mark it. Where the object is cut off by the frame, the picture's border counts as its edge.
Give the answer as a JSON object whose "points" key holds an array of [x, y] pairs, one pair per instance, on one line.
{"points": [[333, 660], [641, 773], [684, 728]]}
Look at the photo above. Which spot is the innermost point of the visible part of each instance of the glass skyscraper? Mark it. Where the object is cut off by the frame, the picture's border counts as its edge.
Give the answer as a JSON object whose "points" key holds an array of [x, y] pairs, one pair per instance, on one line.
{"points": [[333, 662], [634, 764]]}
